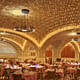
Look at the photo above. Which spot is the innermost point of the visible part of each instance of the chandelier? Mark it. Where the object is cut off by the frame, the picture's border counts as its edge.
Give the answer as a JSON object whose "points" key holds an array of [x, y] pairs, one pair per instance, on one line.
{"points": [[24, 27]]}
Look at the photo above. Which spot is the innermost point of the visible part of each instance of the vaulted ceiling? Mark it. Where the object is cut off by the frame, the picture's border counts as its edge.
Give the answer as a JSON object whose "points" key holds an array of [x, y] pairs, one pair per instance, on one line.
{"points": [[45, 15]]}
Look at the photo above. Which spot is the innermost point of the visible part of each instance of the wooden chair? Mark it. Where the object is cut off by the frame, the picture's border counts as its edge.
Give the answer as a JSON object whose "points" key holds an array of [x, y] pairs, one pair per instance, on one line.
{"points": [[6, 74], [1, 72], [50, 75], [77, 76], [40, 74], [17, 77], [33, 69]]}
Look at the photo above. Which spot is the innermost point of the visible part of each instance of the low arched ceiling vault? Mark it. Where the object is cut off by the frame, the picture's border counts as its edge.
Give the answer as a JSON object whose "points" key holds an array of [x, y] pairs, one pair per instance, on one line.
{"points": [[48, 36], [48, 17]]}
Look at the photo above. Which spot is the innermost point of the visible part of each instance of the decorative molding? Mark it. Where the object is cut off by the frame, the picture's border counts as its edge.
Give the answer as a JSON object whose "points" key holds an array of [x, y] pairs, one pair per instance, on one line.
{"points": [[76, 44], [24, 44]]}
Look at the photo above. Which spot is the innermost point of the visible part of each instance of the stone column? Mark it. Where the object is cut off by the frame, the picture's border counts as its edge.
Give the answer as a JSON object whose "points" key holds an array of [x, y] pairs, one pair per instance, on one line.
{"points": [[41, 55]]}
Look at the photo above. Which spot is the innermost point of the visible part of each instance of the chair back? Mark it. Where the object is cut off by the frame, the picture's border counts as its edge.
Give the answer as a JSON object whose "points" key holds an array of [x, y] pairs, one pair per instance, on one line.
{"points": [[78, 72], [51, 75], [17, 77], [33, 69]]}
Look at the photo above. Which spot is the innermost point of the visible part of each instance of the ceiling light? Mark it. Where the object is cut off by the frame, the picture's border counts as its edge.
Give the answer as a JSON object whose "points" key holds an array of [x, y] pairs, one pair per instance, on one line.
{"points": [[72, 33], [24, 27]]}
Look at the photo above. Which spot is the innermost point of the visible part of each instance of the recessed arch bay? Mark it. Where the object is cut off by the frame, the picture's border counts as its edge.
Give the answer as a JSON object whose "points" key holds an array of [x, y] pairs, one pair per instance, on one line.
{"points": [[9, 49], [6, 48]]}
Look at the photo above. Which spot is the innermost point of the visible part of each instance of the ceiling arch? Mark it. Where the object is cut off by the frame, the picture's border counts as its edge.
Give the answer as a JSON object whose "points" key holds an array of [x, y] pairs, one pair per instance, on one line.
{"points": [[20, 34], [46, 16], [48, 36]]}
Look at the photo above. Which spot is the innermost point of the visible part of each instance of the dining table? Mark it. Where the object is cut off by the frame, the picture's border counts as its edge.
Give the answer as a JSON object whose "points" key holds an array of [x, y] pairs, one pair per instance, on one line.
{"points": [[26, 75]]}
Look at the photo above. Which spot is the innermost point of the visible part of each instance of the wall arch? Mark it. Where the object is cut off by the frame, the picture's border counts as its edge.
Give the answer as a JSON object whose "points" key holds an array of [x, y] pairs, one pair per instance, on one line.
{"points": [[16, 46], [8, 39], [7, 50], [68, 51], [75, 45], [18, 49]]}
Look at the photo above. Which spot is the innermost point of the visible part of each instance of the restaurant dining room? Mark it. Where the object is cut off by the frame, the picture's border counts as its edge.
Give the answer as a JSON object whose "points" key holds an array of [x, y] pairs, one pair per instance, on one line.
{"points": [[39, 39]]}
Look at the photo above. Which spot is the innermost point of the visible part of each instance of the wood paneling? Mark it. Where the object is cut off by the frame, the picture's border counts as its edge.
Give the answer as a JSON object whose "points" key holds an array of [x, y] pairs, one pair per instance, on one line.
{"points": [[68, 51]]}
